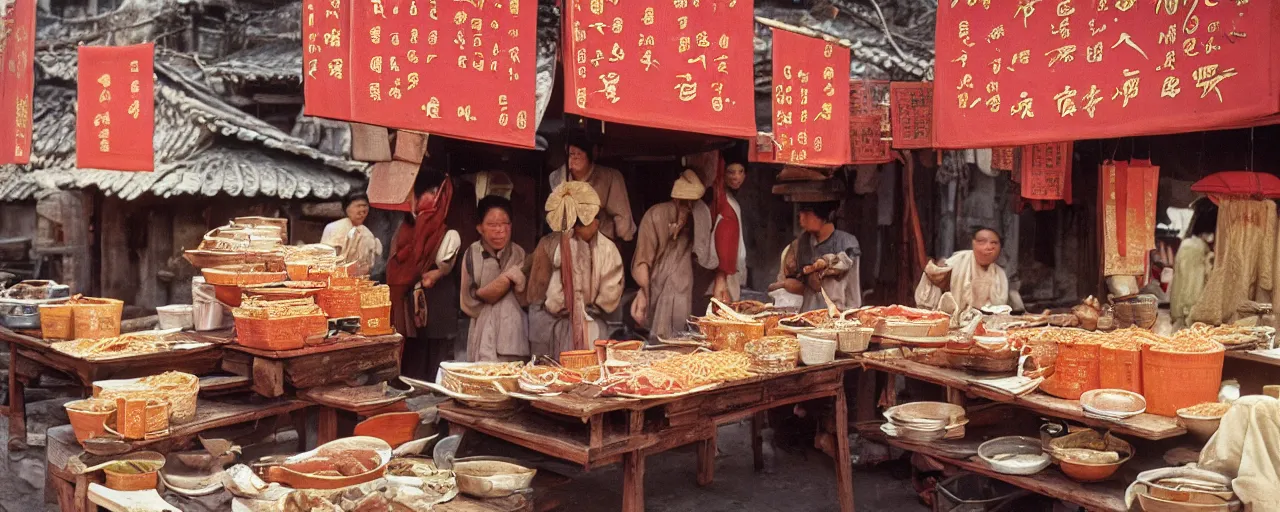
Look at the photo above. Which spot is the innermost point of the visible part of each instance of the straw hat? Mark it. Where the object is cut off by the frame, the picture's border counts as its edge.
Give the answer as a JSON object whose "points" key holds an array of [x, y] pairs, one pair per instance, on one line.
{"points": [[572, 202], [688, 187]]}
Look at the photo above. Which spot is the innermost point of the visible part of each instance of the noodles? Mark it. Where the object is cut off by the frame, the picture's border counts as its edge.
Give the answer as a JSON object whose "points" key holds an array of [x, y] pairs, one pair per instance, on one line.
{"points": [[704, 368]]}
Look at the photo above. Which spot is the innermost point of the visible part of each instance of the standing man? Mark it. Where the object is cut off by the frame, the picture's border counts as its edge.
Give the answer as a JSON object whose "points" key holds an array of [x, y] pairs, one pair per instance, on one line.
{"points": [[424, 306], [616, 221], [574, 321], [663, 264], [823, 258]]}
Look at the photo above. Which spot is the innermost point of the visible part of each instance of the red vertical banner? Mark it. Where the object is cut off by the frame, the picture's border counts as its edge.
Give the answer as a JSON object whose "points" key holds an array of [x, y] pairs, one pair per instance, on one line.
{"points": [[871, 97], [810, 100], [680, 64], [1002, 159], [326, 58], [1129, 192], [1046, 170], [17, 80], [460, 68], [115, 108], [868, 147], [911, 114]]}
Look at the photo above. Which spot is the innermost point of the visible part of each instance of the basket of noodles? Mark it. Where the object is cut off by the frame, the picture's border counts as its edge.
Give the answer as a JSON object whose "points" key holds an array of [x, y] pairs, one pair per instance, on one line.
{"points": [[484, 380], [280, 324], [547, 379], [339, 301], [178, 389], [375, 310], [773, 354], [1182, 372], [727, 329]]}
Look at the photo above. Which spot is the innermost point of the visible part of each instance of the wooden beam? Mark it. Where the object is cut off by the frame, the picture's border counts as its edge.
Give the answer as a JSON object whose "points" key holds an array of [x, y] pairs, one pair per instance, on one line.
{"points": [[278, 99]]}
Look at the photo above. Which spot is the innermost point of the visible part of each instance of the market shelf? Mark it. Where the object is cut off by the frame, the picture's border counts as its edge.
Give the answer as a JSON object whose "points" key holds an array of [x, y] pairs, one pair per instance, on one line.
{"points": [[1145, 426]]}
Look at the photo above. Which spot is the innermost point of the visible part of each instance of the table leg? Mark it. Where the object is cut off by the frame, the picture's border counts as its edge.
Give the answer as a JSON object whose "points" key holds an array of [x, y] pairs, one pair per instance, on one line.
{"points": [[82, 501], [865, 400], [300, 422], [327, 426], [597, 431], [707, 460], [17, 406], [844, 467], [633, 481], [757, 441]]}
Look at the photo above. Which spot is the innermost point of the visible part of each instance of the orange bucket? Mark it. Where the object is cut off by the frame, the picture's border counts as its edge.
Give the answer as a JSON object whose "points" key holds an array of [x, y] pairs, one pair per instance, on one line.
{"points": [[1174, 380]]}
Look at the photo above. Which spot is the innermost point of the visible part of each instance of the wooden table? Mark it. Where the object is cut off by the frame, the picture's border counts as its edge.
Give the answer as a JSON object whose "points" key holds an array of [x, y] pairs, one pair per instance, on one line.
{"points": [[351, 360], [602, 431], [71, 490], [30, 356], [331, 399], [1146, 426]]}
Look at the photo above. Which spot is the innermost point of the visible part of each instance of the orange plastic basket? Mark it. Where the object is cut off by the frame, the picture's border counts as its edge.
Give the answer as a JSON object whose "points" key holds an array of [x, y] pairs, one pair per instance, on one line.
{"points": [[339, 301], [285, 333], [1174, 380], [1075, 371], [97, 318], [376, 321], [1120, 368], [56, 321]]}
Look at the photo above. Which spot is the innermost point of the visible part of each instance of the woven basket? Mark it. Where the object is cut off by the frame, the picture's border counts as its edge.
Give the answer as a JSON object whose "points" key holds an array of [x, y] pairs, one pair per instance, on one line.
{"points": [[854, 340], [816, 350], [56, 321], [180, 395], [339, 301], [477, 386], [578, 359], [97, 318], [730, 335], [775, 354]]}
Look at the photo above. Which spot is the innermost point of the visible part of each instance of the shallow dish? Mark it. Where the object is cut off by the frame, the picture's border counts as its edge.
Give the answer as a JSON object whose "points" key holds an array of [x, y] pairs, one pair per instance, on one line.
{"points": [[1014, 455]]}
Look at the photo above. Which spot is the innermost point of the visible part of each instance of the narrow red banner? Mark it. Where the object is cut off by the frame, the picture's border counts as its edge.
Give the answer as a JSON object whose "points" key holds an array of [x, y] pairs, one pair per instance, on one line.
{"points": [[1046, 170], [115, 108], [326, 66], [911, 114], [1002, 159], [868, 146], [17, 80], [1032, 71], [810, 100], [680, 65]]}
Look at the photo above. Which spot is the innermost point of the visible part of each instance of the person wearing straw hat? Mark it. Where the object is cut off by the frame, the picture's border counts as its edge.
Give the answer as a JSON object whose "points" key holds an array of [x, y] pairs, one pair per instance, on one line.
{"points": [[663, 263], [492, 278], [594, 272]]}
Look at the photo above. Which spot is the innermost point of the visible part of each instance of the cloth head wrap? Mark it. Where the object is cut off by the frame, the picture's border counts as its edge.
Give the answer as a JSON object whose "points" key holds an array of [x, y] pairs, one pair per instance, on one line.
{"points": [[688, 187], [570, 203]]}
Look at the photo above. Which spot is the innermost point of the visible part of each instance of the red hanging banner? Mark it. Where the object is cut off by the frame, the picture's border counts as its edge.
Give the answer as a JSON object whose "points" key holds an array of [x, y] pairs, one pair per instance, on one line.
{"points": [[871, 97], [810, 100], [463, 68], [326, 50], [17, 80], [911, 113], [868, 147], [1002, 159], [1046, 171], [115, 108], [1128, 191], [680, 65], [1034, 71]]}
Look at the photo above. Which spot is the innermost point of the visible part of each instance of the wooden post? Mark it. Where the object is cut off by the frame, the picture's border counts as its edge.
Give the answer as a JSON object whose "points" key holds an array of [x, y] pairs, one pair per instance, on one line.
{"points": [[327, 427], [577, 312], [707, 460], [865, 400], [633, 482], [844, 466], [268, 377], [757, 441], [17, 405], [597, 431]]}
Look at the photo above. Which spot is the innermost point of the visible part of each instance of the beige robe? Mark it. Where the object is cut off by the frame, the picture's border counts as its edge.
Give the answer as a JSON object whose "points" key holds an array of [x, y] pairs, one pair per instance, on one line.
{"points": [[1190, 273], [670, 260], [971, 287], [498, 331], [1246, 449], [598, 284], [615, 217]]}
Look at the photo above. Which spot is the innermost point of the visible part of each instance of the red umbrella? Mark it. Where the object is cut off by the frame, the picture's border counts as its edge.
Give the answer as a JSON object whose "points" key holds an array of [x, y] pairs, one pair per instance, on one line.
{"points": [[1239, 183]]}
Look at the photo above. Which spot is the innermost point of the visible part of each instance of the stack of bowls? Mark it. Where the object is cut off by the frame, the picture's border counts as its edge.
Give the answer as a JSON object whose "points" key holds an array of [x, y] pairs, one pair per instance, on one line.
{"points": [[924, 422]]}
